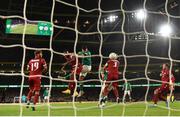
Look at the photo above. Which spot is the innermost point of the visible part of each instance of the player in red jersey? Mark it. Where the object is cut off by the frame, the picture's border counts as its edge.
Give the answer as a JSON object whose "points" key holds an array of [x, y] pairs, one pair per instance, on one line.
{"points": [[36, 67], [111, 68], [71, 60], [166, 86]]}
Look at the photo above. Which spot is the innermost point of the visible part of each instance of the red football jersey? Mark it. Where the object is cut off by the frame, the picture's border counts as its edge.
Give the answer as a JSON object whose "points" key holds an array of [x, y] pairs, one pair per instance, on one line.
{"points": [[72, 62], [165, 76], [71, 59], [36, 66], [112, 66]]}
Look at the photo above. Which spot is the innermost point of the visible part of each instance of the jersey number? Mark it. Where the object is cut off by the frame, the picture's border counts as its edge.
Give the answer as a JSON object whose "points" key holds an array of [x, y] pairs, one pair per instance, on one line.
{"points": [[34, 66], [115, 64]]}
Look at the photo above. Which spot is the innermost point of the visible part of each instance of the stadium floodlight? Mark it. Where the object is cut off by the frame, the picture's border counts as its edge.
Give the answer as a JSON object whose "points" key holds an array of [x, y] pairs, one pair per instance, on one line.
{"points": [[87, 22], [165, 30], [105, 21], [141, 14], [111, 18]]}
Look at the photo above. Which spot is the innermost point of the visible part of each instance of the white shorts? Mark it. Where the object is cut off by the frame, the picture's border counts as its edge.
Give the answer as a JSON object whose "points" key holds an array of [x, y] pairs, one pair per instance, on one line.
{"points": [[46, 97], [86, 69], [127, 92]]}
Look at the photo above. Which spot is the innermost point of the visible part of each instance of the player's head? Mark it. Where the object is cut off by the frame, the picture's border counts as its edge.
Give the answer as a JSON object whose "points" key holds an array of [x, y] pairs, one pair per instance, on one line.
{"points": [[113, 56], [165, 66], [84, 48], [38, 54]]}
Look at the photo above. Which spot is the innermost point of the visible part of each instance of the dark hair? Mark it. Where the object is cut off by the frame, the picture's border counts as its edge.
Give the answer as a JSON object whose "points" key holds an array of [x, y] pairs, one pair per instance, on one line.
{"points": [[167, 65], [37, 52]]}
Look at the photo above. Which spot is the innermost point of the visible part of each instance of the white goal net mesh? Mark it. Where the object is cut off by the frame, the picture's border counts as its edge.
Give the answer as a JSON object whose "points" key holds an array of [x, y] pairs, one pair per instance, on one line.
{"points": [[141, 36]]}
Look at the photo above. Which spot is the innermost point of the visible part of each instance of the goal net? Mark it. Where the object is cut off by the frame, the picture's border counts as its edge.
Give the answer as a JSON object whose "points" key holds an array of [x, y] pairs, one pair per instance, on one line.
{"points": [[143, 33]]}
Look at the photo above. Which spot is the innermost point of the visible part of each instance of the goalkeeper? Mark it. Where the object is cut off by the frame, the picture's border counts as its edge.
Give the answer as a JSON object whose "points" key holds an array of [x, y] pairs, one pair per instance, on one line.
{"points": [[86, 67]]}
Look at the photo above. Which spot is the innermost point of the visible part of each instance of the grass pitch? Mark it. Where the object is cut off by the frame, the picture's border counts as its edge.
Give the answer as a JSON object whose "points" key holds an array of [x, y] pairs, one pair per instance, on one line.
{"points": [[92, 109], [30, 29]]}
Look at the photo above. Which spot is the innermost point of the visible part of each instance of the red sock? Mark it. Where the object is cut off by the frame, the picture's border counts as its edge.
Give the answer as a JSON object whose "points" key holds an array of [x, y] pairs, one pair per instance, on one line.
{"points": [[115, 91], [30, 93], [36, 97]]}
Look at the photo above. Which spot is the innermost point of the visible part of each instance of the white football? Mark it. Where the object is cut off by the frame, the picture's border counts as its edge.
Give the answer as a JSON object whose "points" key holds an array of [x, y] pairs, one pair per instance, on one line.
{"points": [[113, 55]]}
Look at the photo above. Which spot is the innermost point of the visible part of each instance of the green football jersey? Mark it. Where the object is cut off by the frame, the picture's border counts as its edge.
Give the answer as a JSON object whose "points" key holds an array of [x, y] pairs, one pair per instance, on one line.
{"points": [[127, 86], [45, 93], [86, 60]]}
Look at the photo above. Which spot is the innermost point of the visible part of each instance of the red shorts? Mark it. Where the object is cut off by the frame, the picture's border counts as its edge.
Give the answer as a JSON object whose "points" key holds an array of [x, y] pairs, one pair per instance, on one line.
{"points": [[35, 83], [162, 89], [113, 77]]}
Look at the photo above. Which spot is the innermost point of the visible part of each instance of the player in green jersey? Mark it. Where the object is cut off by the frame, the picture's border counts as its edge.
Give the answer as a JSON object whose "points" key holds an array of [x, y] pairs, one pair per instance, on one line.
{"points": [[46, 95], [86, 62], [127, 90]]}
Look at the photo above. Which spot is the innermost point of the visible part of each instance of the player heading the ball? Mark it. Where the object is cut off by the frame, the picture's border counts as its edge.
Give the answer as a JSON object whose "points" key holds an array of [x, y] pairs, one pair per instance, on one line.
{"points": [[86, 67], [36, 67]]}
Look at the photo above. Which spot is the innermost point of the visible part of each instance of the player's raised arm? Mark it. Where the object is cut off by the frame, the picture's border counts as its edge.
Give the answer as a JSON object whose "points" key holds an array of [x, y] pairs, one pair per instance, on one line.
{"points": [[44, 66], [39, 54], [105, 66], [28, 66]]}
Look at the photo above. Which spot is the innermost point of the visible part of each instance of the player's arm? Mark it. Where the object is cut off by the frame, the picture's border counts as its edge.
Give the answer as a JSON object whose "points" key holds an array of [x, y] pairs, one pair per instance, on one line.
{"points": [[105, 66], [80, 53], [64, 65], [103, 74], [104, 71], [69, 59], [62, 68], [130, 87], [118, 64], [44, 66], [88, 53], [28, 66]]}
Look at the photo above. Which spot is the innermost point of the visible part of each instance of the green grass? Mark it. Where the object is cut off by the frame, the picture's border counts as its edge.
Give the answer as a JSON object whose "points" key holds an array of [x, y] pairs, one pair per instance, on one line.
{"points": [[91, 109], [30, 29]]}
